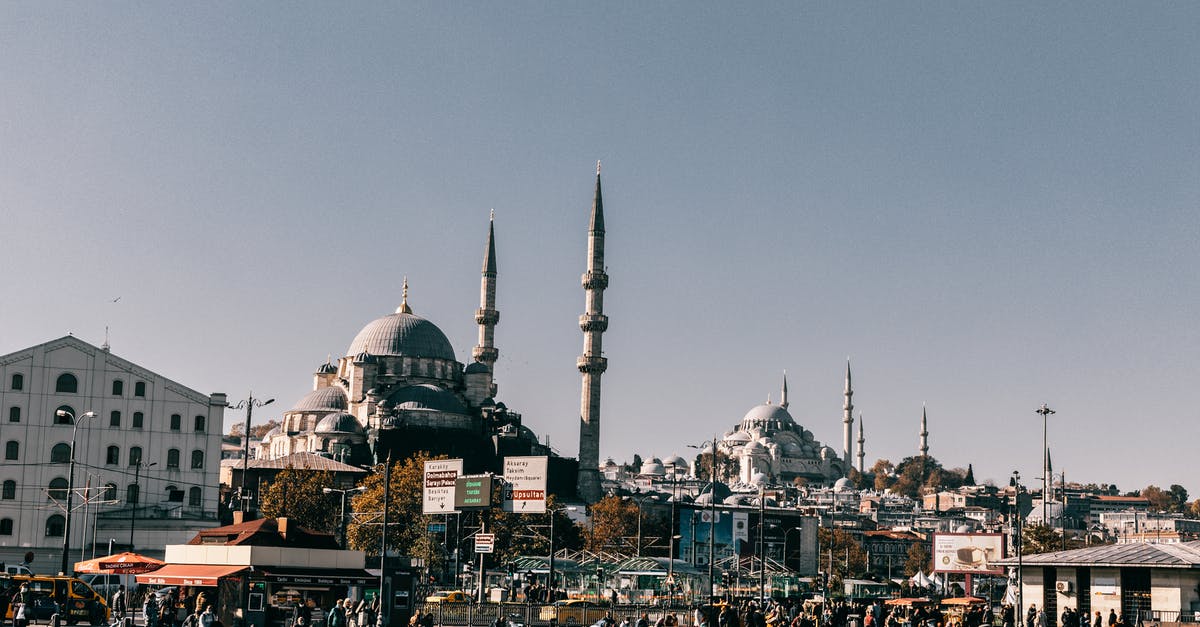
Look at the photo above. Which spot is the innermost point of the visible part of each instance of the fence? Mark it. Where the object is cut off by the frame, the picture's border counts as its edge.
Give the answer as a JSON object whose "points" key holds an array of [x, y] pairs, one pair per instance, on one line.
{"points": [[536, 615]]}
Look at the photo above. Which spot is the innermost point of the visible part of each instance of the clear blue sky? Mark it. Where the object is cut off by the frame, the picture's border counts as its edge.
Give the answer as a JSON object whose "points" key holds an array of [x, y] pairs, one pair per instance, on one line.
{"points": [[986, 206]]}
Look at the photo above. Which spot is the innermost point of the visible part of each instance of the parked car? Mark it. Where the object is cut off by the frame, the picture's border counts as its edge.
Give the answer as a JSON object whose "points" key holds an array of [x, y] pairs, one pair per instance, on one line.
{"points": [[574, 612]]}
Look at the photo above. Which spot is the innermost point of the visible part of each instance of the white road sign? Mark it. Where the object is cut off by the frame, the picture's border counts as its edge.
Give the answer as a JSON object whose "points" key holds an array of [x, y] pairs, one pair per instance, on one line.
{"points": [[438, 495], [485, 542], [525, 489]]}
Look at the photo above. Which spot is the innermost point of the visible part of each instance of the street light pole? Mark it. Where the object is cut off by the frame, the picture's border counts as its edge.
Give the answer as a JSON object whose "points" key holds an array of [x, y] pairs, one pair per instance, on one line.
{"points": [[137, 470], [1016, 476], [762, 553], [342, 519], [550, 574], [712, 512], [62, 413], [1046, 412], [249, 403]]}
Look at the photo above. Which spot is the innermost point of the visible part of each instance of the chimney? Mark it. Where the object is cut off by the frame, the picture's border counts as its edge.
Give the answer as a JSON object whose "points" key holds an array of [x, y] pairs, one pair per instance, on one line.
{"points": [[282, 524], [239, 517]]}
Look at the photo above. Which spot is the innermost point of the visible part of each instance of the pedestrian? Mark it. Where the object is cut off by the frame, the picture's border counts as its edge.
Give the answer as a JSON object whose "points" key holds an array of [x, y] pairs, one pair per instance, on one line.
{"points": [[643, 620], [1112, 617], [337, 615], [22, 612], [150, 610], [1041, 619], [1085, 620], [207, 617], [119, 604]]}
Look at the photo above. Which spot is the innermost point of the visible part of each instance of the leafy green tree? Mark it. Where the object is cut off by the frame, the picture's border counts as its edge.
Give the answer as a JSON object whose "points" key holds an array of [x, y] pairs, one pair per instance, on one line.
{"points": [[407, 527], [1043, 539], [849, 559], [297, 494]]}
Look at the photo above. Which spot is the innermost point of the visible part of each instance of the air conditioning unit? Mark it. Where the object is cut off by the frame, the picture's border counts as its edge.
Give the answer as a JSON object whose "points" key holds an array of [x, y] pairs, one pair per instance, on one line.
{"points": [[1063, 586]]}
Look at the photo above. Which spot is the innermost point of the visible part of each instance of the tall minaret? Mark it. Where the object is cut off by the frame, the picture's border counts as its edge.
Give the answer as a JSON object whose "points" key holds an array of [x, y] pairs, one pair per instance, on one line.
{"points": [[487, 316], [783, 402], [592, 363], [861, 441], [847, 418], [924, 432]]}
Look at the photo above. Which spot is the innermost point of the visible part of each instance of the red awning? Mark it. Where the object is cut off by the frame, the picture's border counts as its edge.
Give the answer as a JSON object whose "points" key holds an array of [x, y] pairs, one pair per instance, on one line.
{"points": [[203, 575]]}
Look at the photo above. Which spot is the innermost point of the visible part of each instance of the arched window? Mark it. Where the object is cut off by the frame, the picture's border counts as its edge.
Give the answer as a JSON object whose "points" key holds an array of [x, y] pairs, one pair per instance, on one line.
{"points": [[67, 417], [110, 491], [112, 455], [139, 388], [58, 489], [118, 387], [66, 384], [176, 422], [131, 494], [9, 491], [194, 497], [199, 423], [55, 525], [18, 381], [6, 526], [12, 449], [135, 455], [60, 453], [114, 418], [173, 458], [14, 414], [138, 419], [197, 459]]}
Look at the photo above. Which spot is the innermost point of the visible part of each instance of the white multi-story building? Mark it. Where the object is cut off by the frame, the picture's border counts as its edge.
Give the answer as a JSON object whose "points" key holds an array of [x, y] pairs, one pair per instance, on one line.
{"points": [[147, 453]]}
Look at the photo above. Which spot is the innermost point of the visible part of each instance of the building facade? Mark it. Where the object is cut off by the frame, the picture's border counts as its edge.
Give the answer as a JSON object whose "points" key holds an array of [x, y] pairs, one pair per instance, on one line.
{"points": [[147, 450]]}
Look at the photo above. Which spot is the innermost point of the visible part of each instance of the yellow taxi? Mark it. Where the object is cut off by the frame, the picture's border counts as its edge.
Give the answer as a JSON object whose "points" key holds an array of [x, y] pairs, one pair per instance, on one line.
{"points": [[449, 596], [574, 612]]}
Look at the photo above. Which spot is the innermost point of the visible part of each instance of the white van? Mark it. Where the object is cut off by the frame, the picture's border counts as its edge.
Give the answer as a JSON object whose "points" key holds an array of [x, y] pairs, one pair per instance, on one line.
{"points": [[105, 585]]}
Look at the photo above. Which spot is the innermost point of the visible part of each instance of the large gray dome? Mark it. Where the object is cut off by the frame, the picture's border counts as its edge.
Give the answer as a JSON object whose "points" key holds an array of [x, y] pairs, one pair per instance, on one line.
{"points": [[324, 399], [771, 417], [338, 423], [426, 396], [402, 334]]}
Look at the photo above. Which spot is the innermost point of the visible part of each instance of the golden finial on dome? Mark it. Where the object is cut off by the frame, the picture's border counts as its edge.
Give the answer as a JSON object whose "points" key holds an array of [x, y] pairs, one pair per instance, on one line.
{"points": [[404, 308]]}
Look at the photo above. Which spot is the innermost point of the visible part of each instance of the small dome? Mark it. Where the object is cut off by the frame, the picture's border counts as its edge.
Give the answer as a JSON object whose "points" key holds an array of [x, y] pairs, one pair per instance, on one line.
{"points": [[653, 468], [402, 334], [428, 397], [270, 434], [364, 358], [737, 436], [842, 485], [476, 368], [327, 368], [721, 489], [735, 499], [963, 529], [338, 423], [676, 464], [755, 447], [324, 399]]}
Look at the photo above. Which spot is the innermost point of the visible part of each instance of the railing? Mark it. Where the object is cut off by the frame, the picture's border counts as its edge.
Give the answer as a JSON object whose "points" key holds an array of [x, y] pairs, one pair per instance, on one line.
{"points": [[537, 615], [1168, 616]]}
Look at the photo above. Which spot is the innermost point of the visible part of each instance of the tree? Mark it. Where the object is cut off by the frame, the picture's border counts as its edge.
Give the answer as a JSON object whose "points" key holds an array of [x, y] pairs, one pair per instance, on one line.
{"points": [[613, 521], [1044, 539], [727, 467], [918, 559], [1160, 499], [849, 559], [1179, 497], [407, 532], [529, 534], [297, 494], [883, 470]]}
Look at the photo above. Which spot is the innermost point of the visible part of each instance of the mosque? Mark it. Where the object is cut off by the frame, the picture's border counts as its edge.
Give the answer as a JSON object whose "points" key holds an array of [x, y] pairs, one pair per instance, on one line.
{"points": [[399, 390]]}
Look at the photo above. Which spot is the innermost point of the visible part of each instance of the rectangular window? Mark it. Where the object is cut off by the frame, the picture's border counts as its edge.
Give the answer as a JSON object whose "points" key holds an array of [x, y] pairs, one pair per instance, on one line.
{"points": [[139, 388], [138, 419], [18, 381], [114, 419], [176, 422], [199, 423], [14, 414], [118, 387]]}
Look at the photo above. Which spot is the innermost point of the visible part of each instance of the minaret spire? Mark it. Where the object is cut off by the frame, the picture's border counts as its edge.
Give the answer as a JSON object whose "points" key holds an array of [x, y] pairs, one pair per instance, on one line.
{"points": [[592, 363], [783, 402], [924, 432], [861, 441], [487, 316], [847, 417]]}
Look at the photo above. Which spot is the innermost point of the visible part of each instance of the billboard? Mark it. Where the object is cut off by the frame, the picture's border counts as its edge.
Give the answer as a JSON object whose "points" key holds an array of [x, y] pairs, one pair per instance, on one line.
{"points": [[473, 492], [438, 494], [525, 492], [971, 553]]}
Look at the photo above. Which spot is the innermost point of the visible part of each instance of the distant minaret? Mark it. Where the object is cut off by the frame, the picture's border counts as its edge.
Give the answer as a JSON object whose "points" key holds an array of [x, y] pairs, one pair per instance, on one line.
{"points": [[847, 418], [487, 316], [861, 441], [924, 433], [592, 363], [783, 402]]}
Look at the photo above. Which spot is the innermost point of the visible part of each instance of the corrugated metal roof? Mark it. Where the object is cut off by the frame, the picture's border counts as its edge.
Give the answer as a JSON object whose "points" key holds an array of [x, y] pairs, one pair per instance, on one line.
{"points": [[1185, 555]]}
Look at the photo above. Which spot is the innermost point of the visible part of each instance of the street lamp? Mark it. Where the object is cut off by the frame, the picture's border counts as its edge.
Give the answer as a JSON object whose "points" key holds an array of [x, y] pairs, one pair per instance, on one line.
{"points": [[671, 531], [342, 518], [1046, 412], [550, 574], [62, 413], [137, 470], [639, 498], [249, 403], [1016, 481], [712, 511]]}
